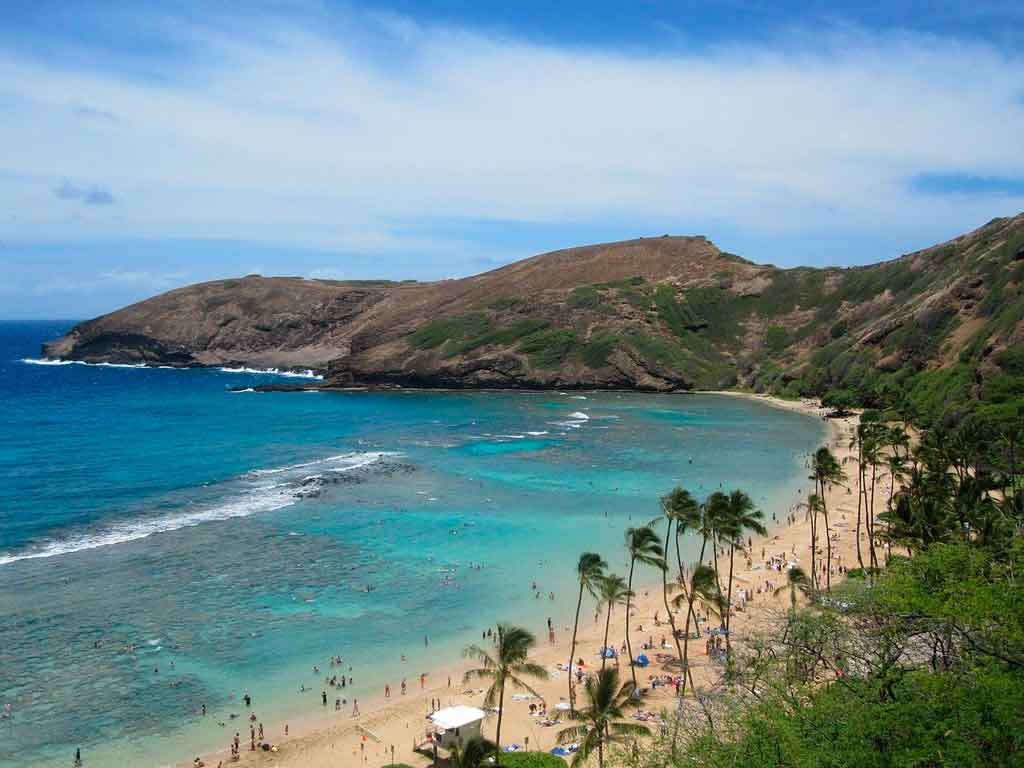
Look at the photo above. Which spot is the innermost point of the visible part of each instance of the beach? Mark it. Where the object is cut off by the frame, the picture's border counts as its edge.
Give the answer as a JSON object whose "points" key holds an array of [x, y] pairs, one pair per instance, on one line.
{"points": [[391, 727]]}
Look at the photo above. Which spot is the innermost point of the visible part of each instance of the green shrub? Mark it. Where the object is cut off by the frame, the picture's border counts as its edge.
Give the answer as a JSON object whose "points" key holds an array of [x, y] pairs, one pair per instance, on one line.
{"points": [[679, 317], [437, 332], [777, 339], [548, 349], [531, 760], [586, 297], [597, 349]]}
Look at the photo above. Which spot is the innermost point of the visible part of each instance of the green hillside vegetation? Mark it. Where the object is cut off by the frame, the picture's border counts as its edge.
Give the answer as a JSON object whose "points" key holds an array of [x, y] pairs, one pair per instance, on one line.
{"points": [[916, 659]]}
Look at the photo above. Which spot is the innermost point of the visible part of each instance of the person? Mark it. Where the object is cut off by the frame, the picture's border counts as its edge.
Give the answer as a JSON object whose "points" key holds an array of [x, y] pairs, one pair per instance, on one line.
{"points": [[403, 686], [387, 691], [323, 697], [261, 732], [78, 757], [355, 707]]}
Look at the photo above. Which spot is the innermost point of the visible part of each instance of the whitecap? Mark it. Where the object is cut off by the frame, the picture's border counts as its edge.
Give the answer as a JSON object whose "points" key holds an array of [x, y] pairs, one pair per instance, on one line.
{"points": [[250, 503], [306, 374], [247, 389], [579, 415], [52, 361], [537, 434], [345, 462]]}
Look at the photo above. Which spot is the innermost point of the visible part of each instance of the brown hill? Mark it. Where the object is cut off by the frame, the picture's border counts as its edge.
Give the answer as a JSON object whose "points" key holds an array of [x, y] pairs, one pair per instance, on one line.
{"points": [[655, 313]]}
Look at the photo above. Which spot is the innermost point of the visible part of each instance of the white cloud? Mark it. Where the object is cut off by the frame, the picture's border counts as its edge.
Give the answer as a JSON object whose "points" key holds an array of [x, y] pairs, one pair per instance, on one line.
{"points": [[296, 137]]}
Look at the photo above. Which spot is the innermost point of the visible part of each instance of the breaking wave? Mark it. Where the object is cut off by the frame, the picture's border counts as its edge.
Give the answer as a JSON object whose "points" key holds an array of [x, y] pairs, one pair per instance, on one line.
{"points": [[249, 496]]}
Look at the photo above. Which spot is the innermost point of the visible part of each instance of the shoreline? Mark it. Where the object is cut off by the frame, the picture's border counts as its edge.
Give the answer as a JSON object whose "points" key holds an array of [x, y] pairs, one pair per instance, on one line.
{"points": [[321, 740]]}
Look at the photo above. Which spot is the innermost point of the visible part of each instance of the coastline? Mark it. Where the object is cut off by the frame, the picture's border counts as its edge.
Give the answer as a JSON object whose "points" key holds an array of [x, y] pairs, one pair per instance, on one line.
{"points": [[322, 740]]}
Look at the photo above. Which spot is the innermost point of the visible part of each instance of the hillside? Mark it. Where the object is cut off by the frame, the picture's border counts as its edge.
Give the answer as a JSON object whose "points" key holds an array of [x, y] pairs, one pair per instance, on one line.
{"points": [[667, 313]]}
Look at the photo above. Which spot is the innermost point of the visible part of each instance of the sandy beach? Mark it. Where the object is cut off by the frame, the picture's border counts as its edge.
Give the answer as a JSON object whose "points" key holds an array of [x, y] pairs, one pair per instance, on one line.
{"points": [[400, 721]]}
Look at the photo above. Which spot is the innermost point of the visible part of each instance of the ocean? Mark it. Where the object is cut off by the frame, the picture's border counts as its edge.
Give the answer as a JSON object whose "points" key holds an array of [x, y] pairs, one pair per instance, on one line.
{"points": [[167, 543]]}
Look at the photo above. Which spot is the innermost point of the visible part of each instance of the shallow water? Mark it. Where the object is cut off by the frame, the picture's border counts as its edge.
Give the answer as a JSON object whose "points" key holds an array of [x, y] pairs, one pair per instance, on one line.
{"points": [[152, 507]]}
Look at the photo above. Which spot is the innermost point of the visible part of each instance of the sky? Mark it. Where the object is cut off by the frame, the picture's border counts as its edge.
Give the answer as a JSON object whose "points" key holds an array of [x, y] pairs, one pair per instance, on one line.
{"points": [[148, 146]]}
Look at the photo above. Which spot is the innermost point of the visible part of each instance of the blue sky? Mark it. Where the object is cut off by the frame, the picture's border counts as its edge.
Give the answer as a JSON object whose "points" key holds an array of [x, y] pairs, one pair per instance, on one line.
{"points": [[147, 148]]}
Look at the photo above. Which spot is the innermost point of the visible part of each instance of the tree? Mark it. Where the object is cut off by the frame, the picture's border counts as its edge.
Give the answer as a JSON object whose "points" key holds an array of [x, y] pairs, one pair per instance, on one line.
{"points": [[688, 516], [741, 517], [644, 547], [796, 581], [508, 665], [589, 572], [703, 584], [612, 591], [826, 472], [472, 754], [601, 717]]}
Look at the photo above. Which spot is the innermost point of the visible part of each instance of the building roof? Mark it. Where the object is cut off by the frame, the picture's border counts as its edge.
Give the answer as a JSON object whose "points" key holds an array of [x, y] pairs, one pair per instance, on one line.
{"points": [[456, 717]]}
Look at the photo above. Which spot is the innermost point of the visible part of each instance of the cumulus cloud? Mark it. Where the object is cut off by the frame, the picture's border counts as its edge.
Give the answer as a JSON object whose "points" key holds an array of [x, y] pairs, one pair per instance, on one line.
{"points": [[298, 136], [90, 196]]}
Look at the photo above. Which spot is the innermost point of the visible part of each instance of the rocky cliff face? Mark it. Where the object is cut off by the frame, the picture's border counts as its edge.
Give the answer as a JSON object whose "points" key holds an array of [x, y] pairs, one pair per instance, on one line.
{"points": [[655, 313]]}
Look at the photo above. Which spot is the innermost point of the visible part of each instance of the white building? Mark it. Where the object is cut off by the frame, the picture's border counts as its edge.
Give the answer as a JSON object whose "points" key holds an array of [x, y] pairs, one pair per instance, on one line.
{"points": [[457, 725]]}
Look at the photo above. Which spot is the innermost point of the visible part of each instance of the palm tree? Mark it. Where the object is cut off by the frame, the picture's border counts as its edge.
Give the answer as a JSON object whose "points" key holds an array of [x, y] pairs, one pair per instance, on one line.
{"points": [[589, 571], [716, 513], [671, 518], [611, 591], [472, 754], [507, 666], [645, 547], [796, 581], [601, 726], [688, 516], [703, 584], [825, 472], [742, 517]]}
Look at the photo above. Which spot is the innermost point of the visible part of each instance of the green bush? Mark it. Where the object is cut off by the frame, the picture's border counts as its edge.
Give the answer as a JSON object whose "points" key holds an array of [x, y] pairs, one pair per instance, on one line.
{"points": [[547, 349], [777, 339], [597, 349], [437, 332], [530, 760], [586, 297]]}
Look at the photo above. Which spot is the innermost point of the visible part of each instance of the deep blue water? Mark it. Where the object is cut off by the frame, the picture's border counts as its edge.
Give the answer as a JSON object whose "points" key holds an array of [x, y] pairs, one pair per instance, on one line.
{"points": [[154, 508]]}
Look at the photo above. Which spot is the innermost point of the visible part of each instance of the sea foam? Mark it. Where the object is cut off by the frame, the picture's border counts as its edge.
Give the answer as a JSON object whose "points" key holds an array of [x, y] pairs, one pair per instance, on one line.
{"points": [[258, 497]]}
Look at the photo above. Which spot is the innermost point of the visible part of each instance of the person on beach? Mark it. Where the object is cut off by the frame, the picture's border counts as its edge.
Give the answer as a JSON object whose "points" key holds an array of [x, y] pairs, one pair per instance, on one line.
{"points": [[323, 697], [261, 732], [355, 707], [78, 757], [403, 686], [387, 691]]}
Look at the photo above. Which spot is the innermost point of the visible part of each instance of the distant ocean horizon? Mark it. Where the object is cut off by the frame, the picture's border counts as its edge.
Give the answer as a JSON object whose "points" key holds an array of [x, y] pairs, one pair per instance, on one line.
{"points": [[166, 542]]}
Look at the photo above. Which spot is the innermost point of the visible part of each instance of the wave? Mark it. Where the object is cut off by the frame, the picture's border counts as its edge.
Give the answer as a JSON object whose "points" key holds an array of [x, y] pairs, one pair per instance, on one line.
{"points": [[303, 374], [306, 374], [579, 415], [51, 361], [344, 462], [258, 500], [262, 497]]}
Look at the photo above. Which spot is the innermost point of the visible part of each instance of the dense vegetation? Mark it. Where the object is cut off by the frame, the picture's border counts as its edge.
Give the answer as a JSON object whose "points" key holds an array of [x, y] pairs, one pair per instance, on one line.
{"points": [[916, 659]]}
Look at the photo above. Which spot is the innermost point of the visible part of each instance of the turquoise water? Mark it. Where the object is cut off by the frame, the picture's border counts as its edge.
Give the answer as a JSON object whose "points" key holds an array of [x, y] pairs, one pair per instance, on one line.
{"points": [[231, 537]]}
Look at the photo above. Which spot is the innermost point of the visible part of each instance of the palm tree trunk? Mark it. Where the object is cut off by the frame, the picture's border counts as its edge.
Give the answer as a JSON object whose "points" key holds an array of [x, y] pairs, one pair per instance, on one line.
{"points": [[690, 597], [497, 733], [572, 649], [664, 580], [871, 519], [828, 548], [728, 600], [812, 511], [860, 485], [629, 644], [607, 624], [682, 576]]}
